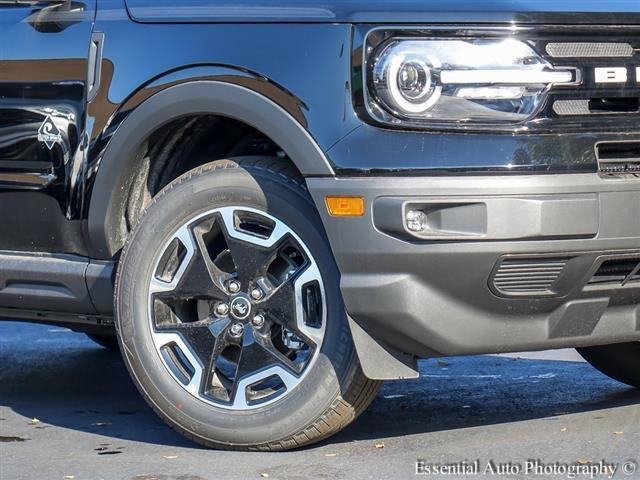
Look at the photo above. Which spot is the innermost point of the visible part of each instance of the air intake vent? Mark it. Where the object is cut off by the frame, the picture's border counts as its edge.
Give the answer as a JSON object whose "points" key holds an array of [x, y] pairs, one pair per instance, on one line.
{"points": [[528, 276], [618, 157], [617, 272], [597, 106]]}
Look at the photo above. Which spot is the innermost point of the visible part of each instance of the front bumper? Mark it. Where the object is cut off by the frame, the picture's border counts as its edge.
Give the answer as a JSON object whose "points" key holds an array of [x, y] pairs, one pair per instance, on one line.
{"points": [[447, 293]]}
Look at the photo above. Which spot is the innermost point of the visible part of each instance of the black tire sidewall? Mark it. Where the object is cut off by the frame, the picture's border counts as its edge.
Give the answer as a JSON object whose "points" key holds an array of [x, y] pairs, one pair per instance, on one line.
{"points": [[191, 195], [110, 342], [619, 361]]}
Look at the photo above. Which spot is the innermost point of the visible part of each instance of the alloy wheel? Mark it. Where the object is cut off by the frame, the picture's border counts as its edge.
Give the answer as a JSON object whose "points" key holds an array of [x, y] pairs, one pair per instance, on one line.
{"points": [[236, 308]]}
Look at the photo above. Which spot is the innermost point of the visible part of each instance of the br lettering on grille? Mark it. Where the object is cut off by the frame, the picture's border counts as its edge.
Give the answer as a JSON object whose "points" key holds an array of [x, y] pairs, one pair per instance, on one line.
{"points": [[611, 75]]}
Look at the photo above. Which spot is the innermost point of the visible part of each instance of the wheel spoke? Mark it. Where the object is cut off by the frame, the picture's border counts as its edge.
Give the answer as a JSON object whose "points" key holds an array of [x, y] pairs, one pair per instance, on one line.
{"points": [[252, 261], [315, 333], [196, 282], [204, 342], [252, 254], [164, 339], [284, 304], [211, 381], [200, 336], [281, 304], [217, 275], [258, 360], [199, 277], [158, 285]]}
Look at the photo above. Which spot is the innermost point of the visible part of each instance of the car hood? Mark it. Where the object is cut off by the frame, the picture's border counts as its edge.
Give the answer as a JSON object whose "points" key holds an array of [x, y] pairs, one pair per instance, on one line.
{"points": [[388, 11]]}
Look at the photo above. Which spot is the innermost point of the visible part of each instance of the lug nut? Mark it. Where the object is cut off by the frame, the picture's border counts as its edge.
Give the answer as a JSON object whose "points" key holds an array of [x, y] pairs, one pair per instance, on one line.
{"points": [[258, 321], [222, 309], [257, 293], [236, 330], [233, 286]]}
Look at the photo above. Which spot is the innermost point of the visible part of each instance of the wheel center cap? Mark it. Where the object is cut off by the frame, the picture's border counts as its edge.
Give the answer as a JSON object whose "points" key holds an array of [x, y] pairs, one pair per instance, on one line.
{"points": [[240, 308]]}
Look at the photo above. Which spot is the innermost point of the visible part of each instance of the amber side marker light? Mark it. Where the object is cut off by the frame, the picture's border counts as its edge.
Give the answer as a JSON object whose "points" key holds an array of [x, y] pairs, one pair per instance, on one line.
{"points": [[345, 206]]}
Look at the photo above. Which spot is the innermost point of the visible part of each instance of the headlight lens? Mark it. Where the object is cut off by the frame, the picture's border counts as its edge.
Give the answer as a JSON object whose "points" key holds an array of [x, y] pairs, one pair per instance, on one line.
{"points": [[459, 81], [410, 84]]}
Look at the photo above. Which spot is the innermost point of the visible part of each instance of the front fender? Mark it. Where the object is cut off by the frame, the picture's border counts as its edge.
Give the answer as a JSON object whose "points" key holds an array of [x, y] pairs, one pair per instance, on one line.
{"points": [[213, 97]]}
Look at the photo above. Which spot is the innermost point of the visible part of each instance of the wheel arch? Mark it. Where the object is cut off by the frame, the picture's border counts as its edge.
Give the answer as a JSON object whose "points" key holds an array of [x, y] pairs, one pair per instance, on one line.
{"points": [[212, 97]]}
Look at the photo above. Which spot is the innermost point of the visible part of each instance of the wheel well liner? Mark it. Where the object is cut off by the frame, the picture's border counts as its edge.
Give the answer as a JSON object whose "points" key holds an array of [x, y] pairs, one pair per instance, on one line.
{"points": [[198, 97]]}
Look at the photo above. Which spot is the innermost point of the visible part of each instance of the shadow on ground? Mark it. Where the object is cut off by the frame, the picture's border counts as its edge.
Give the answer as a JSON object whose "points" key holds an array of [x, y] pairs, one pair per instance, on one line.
{"points": [[67, 381]]}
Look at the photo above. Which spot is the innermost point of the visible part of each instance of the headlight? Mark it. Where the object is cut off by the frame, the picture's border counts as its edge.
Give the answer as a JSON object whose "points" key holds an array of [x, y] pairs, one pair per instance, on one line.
{"points": [[449, 81]]}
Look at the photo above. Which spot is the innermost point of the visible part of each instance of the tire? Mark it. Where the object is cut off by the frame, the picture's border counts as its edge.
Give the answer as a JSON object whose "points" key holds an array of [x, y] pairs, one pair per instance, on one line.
{"points": [[110, 342], [330, 393], [618, 361]]}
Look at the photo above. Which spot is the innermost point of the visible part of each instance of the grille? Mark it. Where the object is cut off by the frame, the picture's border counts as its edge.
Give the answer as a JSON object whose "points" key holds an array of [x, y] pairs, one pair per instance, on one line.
{"points": [[600, 101], [528, 276], [597, 106], [617, 272], [619, 168], [618, 158], [589, 50]]}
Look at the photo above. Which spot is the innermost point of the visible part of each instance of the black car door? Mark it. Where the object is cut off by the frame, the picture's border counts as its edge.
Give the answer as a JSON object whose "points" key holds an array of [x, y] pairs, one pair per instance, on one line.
{"points": [[44, 63]]}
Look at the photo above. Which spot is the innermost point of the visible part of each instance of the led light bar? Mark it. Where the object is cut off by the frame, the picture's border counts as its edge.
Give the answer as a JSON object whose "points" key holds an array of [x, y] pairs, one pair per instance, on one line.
{"points": [[505, 77]]}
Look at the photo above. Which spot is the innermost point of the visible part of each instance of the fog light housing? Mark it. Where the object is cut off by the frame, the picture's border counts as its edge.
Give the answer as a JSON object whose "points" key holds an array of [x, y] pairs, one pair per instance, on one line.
{"points": [[416, 220]]}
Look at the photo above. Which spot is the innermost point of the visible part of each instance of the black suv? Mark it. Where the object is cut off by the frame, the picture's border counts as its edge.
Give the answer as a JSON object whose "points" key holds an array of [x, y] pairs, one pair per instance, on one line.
{"points": [[291, 201]]}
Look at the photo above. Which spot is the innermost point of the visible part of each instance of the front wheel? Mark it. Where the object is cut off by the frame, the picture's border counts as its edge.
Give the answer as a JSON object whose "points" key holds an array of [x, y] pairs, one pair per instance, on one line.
{"points": [[619, 361], [229, 311]]}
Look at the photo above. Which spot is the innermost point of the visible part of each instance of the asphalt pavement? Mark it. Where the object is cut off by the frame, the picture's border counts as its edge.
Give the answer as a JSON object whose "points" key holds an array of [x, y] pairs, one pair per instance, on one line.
{"points": [[68, 411]]}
